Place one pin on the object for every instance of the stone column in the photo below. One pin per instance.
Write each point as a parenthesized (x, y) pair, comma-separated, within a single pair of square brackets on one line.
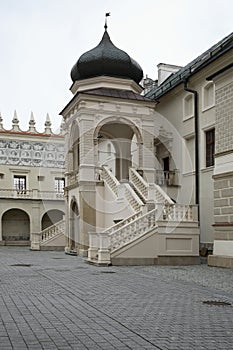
[(223, 171), (87, 221), (67, 226), (87, 194), (35, 221)]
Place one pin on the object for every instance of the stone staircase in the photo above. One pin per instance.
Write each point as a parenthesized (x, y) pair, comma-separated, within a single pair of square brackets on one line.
[(121, 190), (156, 217), (51, 238)]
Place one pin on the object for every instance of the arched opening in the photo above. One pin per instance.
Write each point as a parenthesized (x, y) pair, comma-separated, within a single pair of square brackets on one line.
[(119, 146), (74, 225), (51, 217), (166, 172), (15, 225), (74, 149)]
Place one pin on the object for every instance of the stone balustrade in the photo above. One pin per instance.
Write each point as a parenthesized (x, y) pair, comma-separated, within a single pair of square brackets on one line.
[(132, 230), (103, 244), (151, 192), (124, 222), (110, 180), (139, 183), (160, 196), (178, 212), (167, 178), (41, 237), (132, 198), (31, 194), (51, 231)]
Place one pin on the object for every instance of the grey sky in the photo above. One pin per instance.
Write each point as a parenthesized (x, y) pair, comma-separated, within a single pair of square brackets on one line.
[(42, 39)]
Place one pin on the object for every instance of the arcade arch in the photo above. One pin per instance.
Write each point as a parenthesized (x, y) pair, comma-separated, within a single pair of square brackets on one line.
[(51, 217), (125, 141), (15, 225)]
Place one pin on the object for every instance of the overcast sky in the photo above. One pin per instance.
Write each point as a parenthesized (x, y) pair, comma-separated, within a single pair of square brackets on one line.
[(40, 40)]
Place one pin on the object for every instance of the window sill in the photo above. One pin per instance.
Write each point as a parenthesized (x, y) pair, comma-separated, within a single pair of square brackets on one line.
[(188, 117), (207, 169), (207, 108)]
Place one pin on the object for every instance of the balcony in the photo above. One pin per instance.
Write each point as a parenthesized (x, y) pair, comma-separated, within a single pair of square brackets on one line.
[(167, 178), (31, 194)]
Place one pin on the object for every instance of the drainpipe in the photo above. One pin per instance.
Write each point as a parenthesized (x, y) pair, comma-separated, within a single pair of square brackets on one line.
[(196, 122)]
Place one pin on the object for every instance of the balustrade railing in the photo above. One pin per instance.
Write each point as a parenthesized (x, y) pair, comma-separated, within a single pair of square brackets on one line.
[(139, 183), (160, 196), (123, 222), (179, 212), (167, 178), (135, 226), (132, 198), (110, 180), (31, 194), (132, 230), (53, 230), (148, 191)]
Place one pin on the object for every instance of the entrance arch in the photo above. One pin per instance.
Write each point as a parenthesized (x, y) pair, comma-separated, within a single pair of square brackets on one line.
[(15, 225), (51, 217), (74, 225), (120, 132)]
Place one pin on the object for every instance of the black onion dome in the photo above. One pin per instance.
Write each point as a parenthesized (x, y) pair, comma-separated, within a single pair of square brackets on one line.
[(106, 59)]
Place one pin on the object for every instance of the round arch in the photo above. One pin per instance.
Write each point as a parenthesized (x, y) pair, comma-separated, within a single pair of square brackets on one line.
[(74, 224), (119, 120), (15, 225), (74, 134), (122, 133), (73, 147), (51, 217)]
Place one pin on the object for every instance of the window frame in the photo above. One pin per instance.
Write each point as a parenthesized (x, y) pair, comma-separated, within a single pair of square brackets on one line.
[(59, 189), (209, 147), (20, 186), (205, 88), (188, 99)]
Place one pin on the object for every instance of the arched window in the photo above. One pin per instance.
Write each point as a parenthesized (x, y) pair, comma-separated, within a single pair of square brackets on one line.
[(188, 107), (208, 96)]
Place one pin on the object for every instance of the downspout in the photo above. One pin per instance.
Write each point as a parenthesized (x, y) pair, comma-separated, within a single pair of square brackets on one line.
[(196, 124)]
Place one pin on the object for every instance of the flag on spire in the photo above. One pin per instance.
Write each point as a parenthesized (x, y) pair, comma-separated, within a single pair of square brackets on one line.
[(107, 14)]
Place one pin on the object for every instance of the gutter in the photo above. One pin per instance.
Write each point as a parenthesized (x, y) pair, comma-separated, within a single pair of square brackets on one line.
[(186, 73), (196, 124)]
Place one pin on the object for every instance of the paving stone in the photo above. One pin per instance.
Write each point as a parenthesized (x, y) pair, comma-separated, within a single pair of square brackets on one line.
[(61, 303)]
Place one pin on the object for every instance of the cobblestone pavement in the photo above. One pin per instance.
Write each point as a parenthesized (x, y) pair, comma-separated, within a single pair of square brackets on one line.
[(50, 300)]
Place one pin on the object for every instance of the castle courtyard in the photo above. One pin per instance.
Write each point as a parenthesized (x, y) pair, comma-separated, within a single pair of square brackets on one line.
[(50, 300)]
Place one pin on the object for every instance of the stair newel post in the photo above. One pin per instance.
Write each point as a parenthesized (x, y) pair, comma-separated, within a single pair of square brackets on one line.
[(35, 241), (93, 246), (103, 251)]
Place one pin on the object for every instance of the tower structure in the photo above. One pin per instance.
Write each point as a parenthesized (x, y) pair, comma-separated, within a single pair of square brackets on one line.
[(106, 110)]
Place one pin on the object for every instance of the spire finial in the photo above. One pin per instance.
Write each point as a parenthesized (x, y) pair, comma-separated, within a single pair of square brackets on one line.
[(15, 122), (32, 123), (47, 125), (107, 14)]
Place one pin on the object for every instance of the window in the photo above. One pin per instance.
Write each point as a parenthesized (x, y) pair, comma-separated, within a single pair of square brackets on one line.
[(59, 184), (188, 106), (20, 183), (76, 155), (210, 145), (208, 96)]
